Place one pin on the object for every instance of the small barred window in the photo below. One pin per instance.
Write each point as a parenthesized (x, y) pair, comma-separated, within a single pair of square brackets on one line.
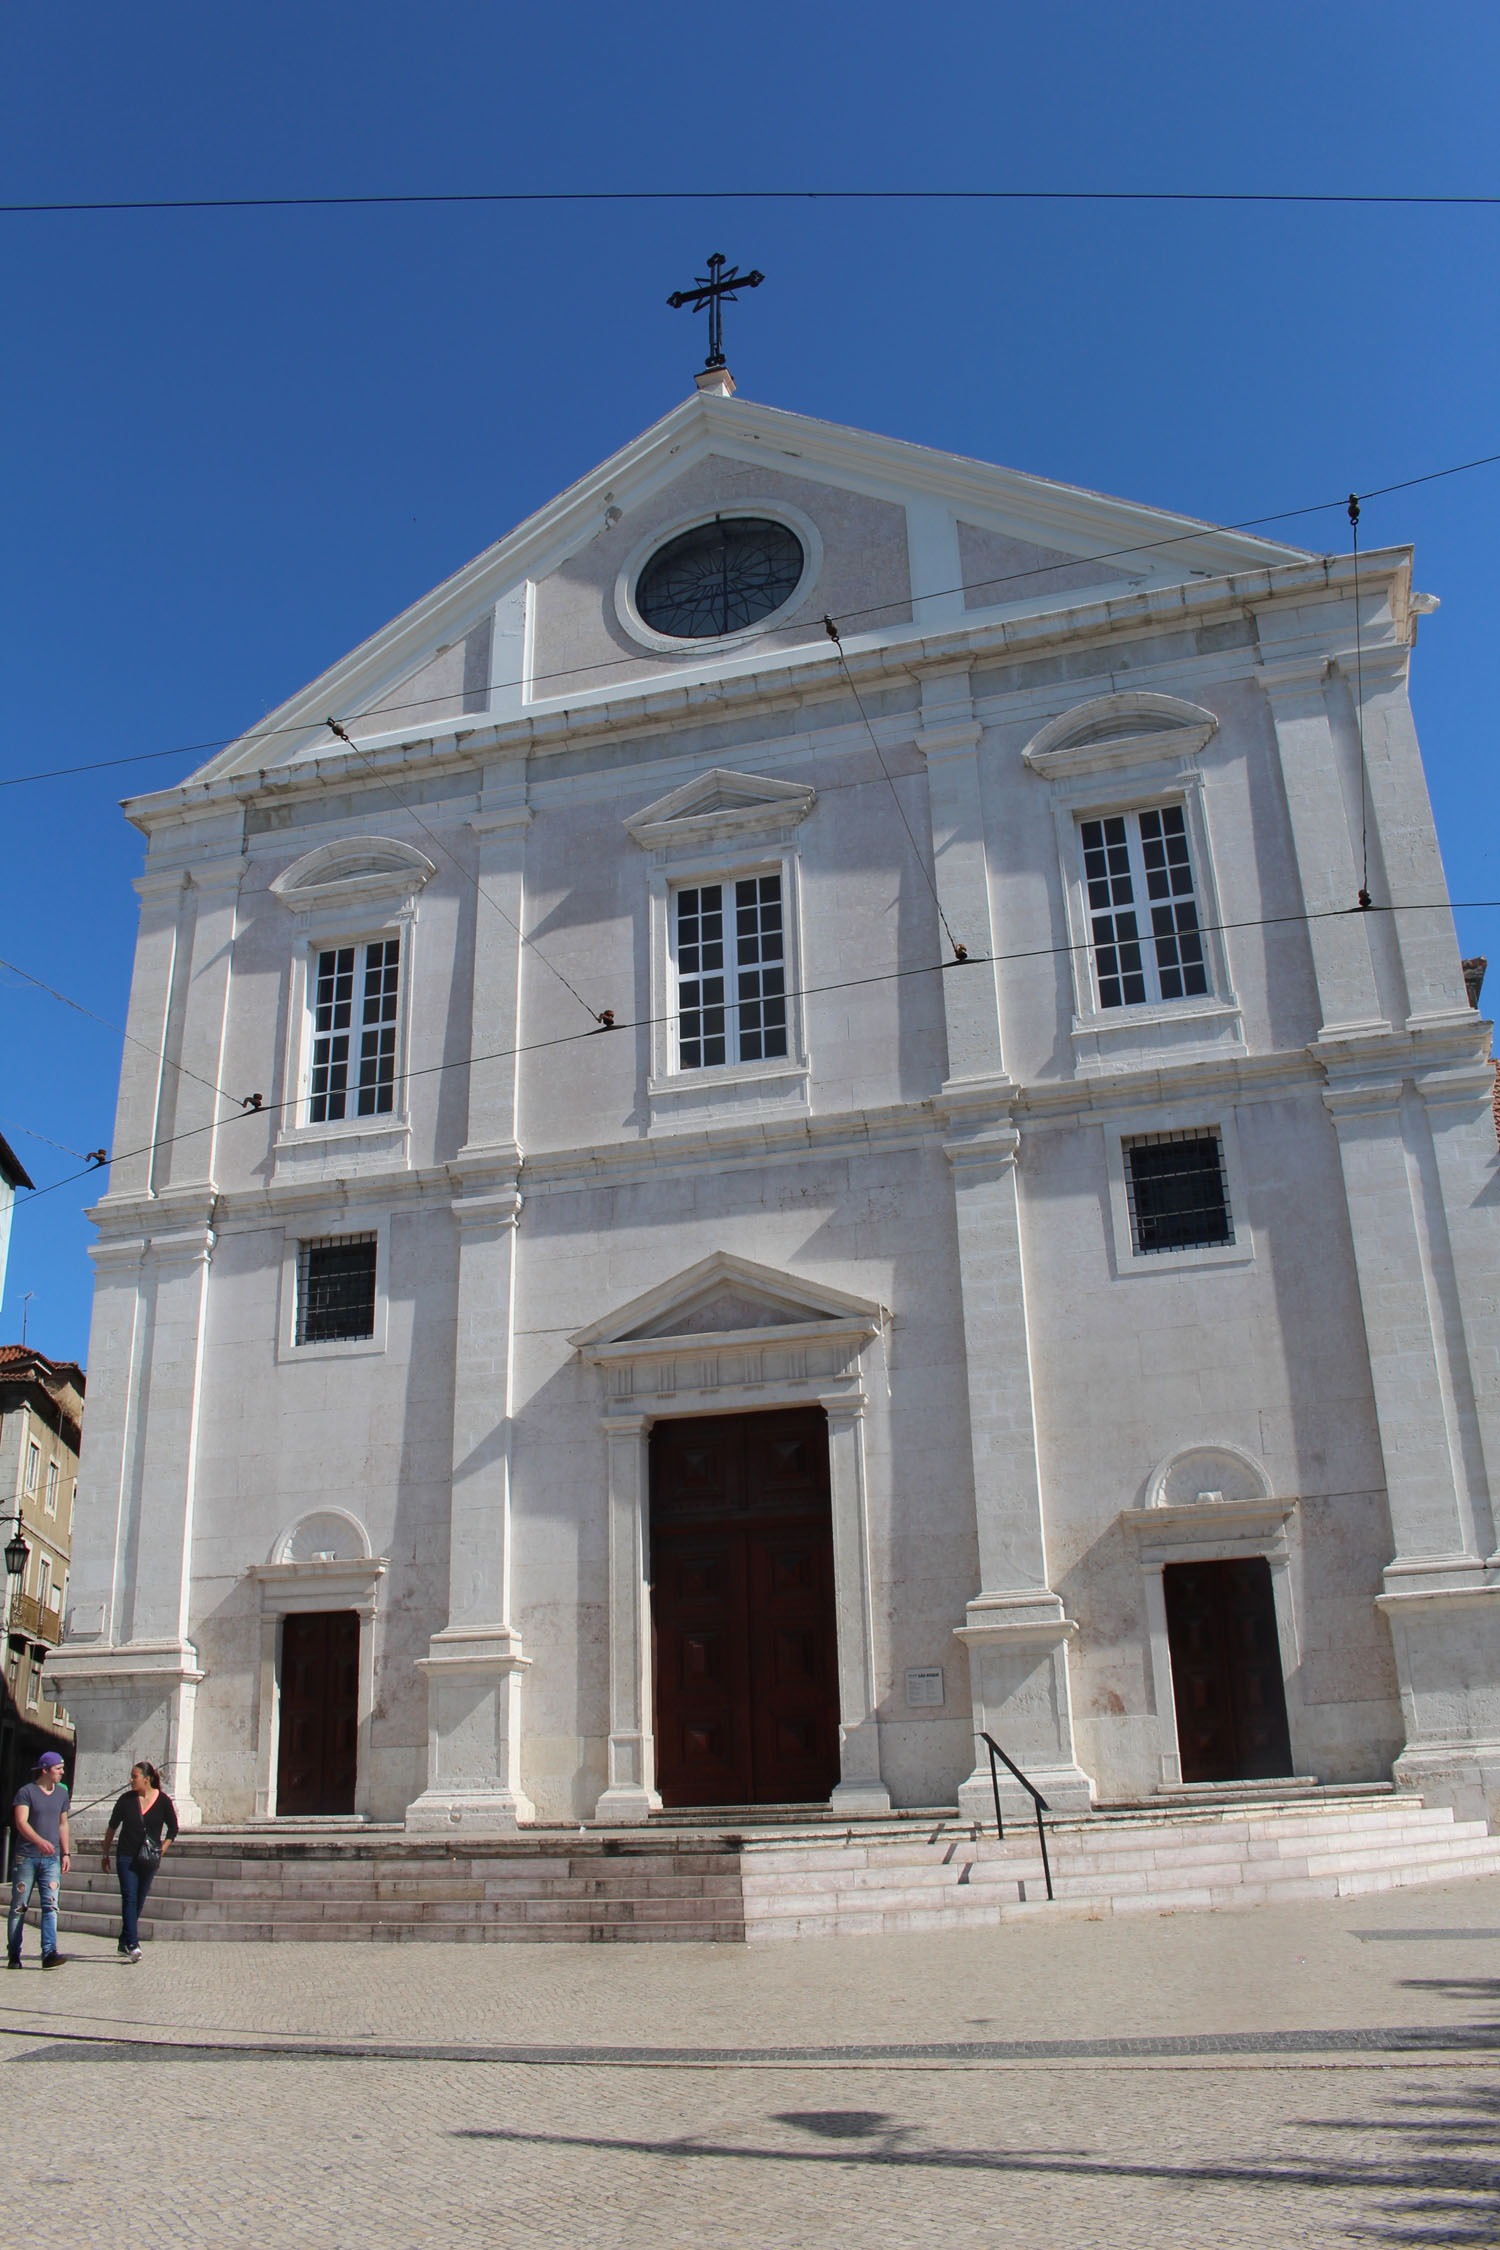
[(1177, 1191), (336, 1288)]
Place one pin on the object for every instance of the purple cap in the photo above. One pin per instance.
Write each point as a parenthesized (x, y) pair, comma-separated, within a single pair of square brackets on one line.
[(49, 1758)]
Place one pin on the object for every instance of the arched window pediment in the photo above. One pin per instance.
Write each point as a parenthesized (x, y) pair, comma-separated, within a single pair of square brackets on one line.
[(1110, 731), (353, 870)]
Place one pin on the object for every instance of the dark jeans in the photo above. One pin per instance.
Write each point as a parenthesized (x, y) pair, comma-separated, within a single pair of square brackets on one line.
[(135, 1883)]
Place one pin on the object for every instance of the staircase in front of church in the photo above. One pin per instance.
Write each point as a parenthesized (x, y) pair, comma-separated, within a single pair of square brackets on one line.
[(787, 1877)]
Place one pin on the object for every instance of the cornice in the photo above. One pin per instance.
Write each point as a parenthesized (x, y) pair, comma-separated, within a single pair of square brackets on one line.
[(662, 702)]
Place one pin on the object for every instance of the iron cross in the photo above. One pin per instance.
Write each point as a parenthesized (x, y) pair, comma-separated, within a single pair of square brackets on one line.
[(712, 293)]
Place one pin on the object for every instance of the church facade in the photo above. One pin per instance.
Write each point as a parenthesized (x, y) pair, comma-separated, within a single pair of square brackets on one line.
[(705, 1213)]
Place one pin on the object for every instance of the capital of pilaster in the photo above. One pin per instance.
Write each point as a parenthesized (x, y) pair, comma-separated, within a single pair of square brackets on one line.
[(1030, 1614), (947, 739), (490, 1209), (159, 886), (218, 879), (1384, 663), (474, 1649), (500, 820), (1350, 1100), (844, 1409), (984, 1153), (1286, 679), (632, 1425)]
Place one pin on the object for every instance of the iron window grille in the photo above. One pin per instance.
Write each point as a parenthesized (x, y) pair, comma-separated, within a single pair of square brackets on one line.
[(356, 998), (1178, 1192), (336, 1289), (1135, 861), (731, 982)]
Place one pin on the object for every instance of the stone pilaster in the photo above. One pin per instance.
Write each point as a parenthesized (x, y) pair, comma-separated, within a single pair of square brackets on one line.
[(630, 1794), (860, 1789), (475, 1665), (1014, 1629), (127, 1671), (1327, 869), (1416, 1157)]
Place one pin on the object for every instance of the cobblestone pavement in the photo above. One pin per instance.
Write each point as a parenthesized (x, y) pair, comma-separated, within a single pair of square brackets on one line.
[(1313, 2075)]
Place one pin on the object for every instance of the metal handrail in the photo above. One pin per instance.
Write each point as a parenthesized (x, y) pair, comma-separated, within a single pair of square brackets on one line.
[(1037, 1799)]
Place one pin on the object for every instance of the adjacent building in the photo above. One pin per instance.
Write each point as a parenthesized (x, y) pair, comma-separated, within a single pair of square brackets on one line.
[(13, 1175), (41, 1424), (839, 1113)]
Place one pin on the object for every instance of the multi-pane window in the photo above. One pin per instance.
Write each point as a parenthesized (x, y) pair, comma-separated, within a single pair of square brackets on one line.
[(1143, 917), (356, 998), (335, 1288), (51, 1496), (731, 973), (1177, 1191), (33, 1463), (44, 1583)]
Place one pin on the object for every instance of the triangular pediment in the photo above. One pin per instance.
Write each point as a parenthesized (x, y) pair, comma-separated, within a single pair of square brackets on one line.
[(721, 802), (992, 538), (723, 1296)]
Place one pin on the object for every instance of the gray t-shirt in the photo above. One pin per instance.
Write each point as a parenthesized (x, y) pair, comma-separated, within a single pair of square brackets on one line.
[(44, 1809)]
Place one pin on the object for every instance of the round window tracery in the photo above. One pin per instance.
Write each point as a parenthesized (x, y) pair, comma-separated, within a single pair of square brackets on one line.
[(719, 578)]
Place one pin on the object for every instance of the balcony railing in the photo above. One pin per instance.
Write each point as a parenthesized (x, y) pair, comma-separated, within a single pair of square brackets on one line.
[(29, 1618)]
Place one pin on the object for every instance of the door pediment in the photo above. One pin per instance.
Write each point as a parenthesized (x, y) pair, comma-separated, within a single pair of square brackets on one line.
[(722, 1301)]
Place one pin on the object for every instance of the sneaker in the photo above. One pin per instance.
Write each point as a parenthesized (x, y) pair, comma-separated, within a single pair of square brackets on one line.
[(134, 1954), (54, 1960)]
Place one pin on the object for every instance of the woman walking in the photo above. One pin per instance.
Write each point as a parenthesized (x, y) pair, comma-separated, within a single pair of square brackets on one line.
[(146, 1820)]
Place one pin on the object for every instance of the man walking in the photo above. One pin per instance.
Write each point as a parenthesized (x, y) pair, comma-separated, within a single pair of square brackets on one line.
[(40, 1855)]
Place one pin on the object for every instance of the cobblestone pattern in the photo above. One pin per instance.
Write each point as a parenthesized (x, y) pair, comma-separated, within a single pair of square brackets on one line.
[(232, 2145)]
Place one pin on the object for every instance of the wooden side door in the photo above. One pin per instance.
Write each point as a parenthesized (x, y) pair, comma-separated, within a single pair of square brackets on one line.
[(316, 1763), (1226, 1671)]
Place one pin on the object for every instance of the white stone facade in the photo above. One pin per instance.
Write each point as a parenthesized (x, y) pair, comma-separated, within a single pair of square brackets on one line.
[(918, 1217)]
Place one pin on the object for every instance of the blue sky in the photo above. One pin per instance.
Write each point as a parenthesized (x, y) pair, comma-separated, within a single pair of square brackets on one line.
[(239, 442)]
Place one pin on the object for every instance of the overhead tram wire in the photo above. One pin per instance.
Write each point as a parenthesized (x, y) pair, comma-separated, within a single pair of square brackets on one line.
[(800, 992), (960, 952), (1252, 196), (159, 1056), (603, 1018), (250, 735)]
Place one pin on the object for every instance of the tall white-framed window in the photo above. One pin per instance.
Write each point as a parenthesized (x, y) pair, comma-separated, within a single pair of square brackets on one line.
[(33, 1465), (729, 955), (49, 1500), (1144, 924), (724, 928), (355, 907), (354, 995), (1146, 950), (44, 1582)]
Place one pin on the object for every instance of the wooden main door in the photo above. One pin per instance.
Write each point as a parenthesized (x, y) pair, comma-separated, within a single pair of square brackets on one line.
[(1226, 1671), (742, 1610), (315, 1770)]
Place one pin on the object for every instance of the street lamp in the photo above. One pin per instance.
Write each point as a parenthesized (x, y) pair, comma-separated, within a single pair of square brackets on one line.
[(17, 1552)]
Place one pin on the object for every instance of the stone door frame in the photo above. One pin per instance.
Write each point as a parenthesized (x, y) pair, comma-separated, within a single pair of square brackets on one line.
[(298, 1587), (808, 1352), (1201, 1532)]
